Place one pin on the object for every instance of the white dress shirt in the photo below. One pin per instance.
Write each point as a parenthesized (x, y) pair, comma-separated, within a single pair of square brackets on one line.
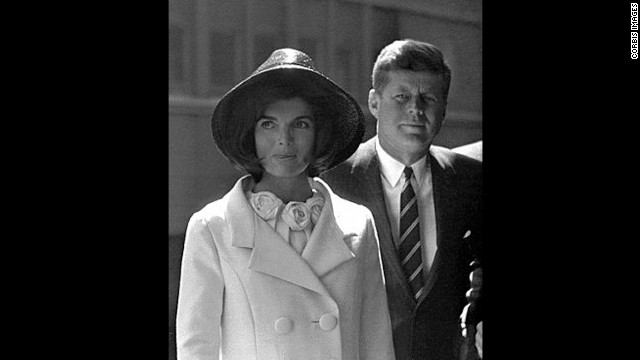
[(391, 172)]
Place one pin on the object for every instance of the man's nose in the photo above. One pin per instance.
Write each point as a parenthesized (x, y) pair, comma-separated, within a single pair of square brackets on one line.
[(417, 106)]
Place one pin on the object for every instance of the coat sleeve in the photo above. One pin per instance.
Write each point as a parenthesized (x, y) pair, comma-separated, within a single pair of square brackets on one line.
[(376, 340), (200, 295)]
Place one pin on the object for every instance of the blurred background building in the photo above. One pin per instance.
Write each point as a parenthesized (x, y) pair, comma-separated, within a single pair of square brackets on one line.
[(214, 44)]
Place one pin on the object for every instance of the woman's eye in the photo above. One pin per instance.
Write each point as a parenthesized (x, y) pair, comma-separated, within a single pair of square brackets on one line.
[(266, 124)]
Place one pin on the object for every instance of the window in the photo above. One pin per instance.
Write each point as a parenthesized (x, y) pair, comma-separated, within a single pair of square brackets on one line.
[(176, 55), (269, 31), (264, 45), (347, 60), (310, 47), (312, 26), (384, 30), (223, 59)]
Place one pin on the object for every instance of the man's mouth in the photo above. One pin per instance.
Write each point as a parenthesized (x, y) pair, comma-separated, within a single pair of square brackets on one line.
[(415, 125)]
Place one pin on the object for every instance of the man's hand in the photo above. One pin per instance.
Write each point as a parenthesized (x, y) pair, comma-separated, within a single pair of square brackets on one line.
[(471, 317), (479, 339)]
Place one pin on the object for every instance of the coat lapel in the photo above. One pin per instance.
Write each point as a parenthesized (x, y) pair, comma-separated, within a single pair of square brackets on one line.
[(270, 255), (237, 213), (325, 248)]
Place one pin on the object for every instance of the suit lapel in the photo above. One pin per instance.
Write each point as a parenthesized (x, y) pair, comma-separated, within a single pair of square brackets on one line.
[(374, 200), (440, 171), (270, 255), (439, 197)]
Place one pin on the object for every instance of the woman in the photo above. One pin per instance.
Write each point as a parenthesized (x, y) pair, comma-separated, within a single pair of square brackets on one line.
[(281, 267)]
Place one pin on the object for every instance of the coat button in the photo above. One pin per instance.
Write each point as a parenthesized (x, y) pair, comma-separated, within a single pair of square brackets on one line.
[(283, 325), (328, 322)]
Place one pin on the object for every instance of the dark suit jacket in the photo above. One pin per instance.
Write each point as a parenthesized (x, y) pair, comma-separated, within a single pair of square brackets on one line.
[(430, 329)]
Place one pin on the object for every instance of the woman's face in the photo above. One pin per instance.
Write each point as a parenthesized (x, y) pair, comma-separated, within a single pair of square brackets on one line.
[(285, 136)]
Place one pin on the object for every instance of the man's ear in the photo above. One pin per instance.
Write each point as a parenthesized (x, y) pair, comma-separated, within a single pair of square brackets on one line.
[(374, 102)]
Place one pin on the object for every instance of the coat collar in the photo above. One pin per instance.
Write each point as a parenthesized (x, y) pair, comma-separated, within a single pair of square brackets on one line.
[(325, 249)]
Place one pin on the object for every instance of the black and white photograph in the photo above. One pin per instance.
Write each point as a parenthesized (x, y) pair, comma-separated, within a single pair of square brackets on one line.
[(325, 179), (339, 179)]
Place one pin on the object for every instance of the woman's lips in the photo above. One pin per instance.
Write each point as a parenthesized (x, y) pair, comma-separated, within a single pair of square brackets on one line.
[(284, 156)]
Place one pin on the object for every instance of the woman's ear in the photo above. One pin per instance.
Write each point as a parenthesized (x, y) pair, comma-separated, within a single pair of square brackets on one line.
[(373, 102)]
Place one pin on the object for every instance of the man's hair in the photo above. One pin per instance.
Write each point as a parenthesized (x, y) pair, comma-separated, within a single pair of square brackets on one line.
[(250, 108), (411, 55)]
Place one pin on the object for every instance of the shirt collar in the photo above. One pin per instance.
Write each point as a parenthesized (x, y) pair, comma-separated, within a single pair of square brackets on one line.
[(392, 169)]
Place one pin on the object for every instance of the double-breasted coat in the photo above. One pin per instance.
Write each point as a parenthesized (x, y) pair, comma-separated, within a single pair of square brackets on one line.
[(246, 294), (429, 329)]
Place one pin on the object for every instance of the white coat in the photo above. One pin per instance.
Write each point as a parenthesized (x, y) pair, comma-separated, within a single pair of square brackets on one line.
[(246, 294)]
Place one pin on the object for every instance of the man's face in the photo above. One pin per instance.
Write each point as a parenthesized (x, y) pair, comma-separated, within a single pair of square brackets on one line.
[(410, 110)]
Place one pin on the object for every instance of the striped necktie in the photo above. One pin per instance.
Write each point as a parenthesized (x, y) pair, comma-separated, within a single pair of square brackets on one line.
[(409, 251)]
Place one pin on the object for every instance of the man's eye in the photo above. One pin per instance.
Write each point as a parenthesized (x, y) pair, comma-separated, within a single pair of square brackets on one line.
[(302, 125), (401, 97), (428, 98)]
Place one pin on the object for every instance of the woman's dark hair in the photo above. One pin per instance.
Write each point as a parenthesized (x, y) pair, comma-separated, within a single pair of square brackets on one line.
[(250, 106)]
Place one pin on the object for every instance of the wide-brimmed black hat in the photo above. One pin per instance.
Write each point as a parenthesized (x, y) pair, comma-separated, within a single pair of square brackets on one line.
[(289, 66)]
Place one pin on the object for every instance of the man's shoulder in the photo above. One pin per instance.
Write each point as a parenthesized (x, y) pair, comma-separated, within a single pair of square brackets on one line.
[(448, 158), (348, 178), (360, 158)]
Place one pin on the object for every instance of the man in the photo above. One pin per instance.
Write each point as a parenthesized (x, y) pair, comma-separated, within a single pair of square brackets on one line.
[(426, 200)]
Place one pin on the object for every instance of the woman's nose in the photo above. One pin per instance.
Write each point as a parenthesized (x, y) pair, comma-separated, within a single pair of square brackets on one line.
[(285, 137)]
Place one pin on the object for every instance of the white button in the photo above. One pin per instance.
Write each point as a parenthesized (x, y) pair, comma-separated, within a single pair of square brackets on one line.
[(328, 322), (283, 325)]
